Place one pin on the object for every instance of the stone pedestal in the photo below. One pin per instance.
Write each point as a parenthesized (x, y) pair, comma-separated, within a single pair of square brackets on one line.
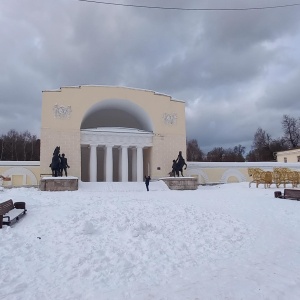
[(181, 183), (59, 183)]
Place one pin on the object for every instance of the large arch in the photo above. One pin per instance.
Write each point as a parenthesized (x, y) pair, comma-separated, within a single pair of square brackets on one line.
[(117, 113), (115, 132)]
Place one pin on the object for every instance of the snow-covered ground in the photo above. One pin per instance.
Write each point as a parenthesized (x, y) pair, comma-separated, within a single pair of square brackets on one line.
[(118, 241)]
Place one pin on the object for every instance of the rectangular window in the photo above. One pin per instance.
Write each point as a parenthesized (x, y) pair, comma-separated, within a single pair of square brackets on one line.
[(285, 160), (298, 158)]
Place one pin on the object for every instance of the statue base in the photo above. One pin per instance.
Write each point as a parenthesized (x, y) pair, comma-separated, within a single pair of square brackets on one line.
[(59, 183), (181, 183)]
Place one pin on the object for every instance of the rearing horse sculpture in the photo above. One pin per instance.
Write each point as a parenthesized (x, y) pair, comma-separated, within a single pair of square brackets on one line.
[(180, 163), (55, 163)]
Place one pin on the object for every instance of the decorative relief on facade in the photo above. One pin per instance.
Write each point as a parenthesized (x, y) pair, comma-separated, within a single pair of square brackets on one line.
[(62, 112), (170, 119)]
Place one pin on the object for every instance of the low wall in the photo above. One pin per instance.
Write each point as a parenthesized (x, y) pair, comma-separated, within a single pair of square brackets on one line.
[(27, 173), (180, 183), (22, 173), (230, 172)]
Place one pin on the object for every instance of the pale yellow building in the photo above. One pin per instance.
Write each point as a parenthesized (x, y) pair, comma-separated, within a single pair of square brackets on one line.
[(289, 156), (112, 133)]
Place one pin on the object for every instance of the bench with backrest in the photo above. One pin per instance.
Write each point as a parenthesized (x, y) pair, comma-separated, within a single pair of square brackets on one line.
[(11, 212), (292, 194)]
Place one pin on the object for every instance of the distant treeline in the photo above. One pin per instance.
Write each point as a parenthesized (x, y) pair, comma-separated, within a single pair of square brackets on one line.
[(263, 146), (21, 146)]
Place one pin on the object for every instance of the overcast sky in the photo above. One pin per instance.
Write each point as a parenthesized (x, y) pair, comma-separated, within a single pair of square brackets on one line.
[(236, 70)]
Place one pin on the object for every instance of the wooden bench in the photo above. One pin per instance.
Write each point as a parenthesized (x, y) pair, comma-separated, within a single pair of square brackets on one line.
[(11, 212), (292, 194)]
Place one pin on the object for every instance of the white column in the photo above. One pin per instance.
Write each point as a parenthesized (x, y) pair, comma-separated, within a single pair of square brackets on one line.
[(109, 164), (124, 151), (134, 164), (93, 163), (139, 167)]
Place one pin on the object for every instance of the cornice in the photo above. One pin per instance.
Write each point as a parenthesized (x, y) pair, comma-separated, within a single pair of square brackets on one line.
[(117, 139)]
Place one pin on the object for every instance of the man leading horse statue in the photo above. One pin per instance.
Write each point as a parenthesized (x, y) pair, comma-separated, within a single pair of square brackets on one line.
[(178, 165)]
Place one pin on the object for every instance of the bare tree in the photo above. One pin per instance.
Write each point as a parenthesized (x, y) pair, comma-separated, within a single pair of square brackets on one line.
[(261, 143), (235, 154), (239, 152), (194, 153), (291, 130), (217, 154), (264, 147), (11, 138), (19, 146), (2, 147)]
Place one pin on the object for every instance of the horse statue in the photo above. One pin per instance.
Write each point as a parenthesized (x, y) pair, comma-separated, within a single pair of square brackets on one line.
[(55, 163), (178, 165)]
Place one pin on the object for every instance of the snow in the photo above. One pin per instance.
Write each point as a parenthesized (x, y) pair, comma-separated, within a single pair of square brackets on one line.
[(118, 241)]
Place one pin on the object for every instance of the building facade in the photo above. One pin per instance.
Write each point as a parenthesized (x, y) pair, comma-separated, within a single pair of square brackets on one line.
[(289, 156), (112, 133)]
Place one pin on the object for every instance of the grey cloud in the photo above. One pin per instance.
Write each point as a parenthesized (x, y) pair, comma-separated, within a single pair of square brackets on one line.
[(227, 66), (283, 94)]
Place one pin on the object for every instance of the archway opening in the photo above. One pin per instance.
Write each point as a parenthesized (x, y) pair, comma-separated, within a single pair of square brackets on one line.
[(117, 113), (124, 120)]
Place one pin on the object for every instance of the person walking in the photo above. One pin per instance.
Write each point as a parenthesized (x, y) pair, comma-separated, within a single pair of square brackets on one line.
[(63, 165), (147, 181)]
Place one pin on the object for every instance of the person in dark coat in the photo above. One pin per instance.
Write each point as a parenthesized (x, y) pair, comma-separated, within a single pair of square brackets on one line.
[(147, 181), (179, 157), (63, 165)]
